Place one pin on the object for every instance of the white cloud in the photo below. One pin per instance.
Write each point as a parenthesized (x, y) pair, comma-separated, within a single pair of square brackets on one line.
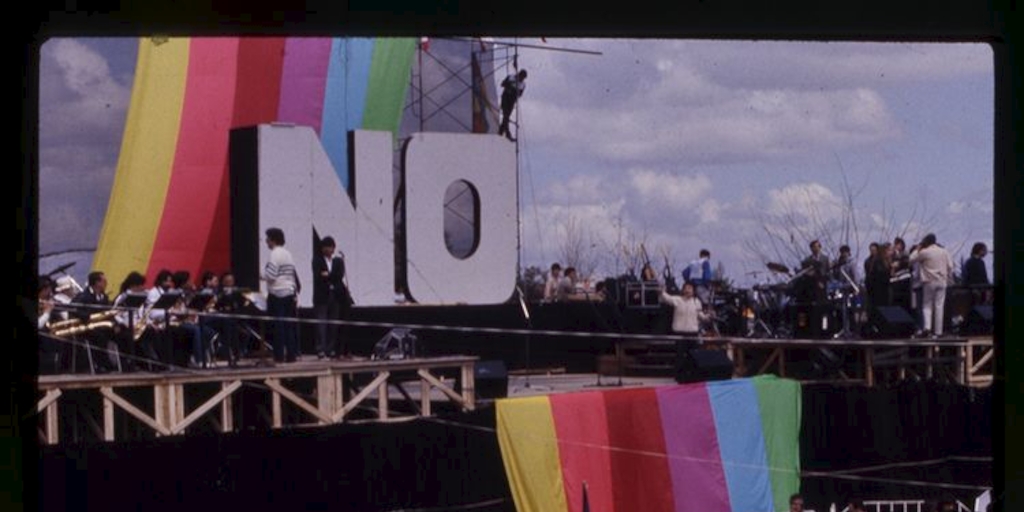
[(806, 201), (669, 191), (580, 188), (807, 65), (728, 101), (970, 206), (91, 99), (690, 120), (710, 211)]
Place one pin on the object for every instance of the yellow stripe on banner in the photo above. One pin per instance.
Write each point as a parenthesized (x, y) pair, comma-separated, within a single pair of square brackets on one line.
[(529, 450), (147, 157)]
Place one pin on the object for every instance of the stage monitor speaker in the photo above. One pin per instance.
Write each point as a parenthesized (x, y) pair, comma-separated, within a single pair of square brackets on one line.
[(892, 321), (699, 365), (398, 343), (491, 379), (979, 320)]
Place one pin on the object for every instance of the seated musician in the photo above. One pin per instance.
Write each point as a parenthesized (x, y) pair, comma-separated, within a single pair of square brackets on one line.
[(201, 335), (46, 303), (94, 299), (212, 327), (162, 336), (551, 284), (229, 301), (129, 325), (567, 288), (49, 350)]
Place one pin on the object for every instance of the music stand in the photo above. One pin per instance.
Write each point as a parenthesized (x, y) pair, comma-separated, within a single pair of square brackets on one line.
[(200, 301), (165, 302), (132, 302)]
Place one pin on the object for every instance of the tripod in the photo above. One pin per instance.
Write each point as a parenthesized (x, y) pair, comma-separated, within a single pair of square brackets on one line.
[(759, 323)]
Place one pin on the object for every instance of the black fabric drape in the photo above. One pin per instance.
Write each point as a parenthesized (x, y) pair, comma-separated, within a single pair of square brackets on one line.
[(844, 428)]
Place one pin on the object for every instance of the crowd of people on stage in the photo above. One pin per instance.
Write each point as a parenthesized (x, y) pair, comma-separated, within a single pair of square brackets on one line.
[(178, 323), (915, 279)]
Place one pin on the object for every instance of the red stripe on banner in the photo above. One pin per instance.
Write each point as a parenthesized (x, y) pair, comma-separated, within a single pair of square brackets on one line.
[(257, 93), (640, 472), (582, 430), (200, 158)]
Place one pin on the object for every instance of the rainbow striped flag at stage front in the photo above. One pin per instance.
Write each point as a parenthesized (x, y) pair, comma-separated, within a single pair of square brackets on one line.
[(728, 446)]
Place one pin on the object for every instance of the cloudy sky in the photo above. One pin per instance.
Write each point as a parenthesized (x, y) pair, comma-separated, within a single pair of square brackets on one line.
[(745, 148)]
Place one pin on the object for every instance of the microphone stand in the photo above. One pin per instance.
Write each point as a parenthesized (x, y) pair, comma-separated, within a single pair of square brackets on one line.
[(846, 333), (529, 327)]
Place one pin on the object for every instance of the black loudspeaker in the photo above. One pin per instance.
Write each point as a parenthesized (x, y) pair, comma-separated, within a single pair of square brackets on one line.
[(491, 378), (892, 321), (699, 365), (808, 321), (979, 321)]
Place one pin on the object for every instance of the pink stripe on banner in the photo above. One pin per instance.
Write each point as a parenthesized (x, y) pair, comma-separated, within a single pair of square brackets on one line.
[(303, 80), (582, 428), (691, 444)]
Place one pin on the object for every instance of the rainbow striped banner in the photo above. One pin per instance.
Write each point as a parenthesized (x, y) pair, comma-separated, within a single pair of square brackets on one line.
[(169, 205), (728, 446)]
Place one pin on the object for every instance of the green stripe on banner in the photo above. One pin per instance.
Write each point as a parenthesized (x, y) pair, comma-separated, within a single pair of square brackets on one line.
[(779, 403), (389, 82)]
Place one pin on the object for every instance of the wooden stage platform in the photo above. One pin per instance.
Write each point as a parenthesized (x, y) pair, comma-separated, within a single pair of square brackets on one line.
[(966, 361), (963, 359), (323, 392), (332, 401)]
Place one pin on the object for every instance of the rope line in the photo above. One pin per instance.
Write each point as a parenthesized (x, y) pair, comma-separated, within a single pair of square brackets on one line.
[(573, 334), (724, 463)]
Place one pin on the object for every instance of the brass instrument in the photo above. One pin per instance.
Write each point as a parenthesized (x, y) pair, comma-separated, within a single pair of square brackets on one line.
[(77, 325), (140, 325), (78, 329), (63, 324), (78, 322)]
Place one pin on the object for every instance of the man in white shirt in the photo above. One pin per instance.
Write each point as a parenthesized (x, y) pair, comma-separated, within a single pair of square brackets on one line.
[(282, 296), (687, 313), (936, 268), (551, 285), (687, 310)]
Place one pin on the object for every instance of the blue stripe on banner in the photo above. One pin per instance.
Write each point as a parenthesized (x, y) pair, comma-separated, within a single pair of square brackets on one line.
[(348, 75), (741, 442)]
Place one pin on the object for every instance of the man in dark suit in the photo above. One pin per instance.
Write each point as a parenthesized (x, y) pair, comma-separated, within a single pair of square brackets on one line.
[(94, 298), (330, 297)]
